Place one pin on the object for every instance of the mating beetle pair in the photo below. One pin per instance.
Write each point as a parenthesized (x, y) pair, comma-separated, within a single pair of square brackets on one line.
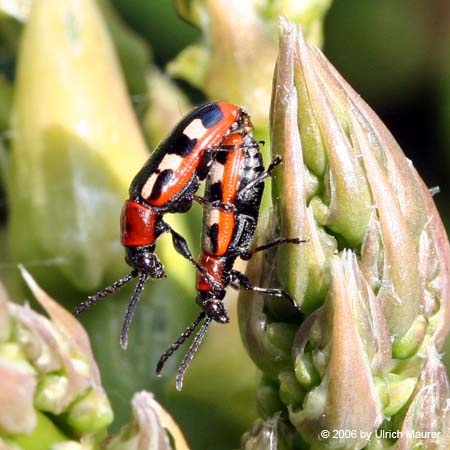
[(215, 142)]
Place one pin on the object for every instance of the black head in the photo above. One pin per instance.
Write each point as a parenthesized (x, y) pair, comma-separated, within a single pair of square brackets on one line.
[(244, 123), (144, 260), (215, 309), (145, 265), (211, 303)]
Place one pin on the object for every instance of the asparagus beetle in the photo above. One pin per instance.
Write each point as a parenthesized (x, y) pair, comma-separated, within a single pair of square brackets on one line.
[(233, 192), (167, 183)]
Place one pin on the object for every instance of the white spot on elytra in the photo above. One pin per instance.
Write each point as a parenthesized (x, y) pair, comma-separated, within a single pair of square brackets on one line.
[(195, 130), (216, 173), (170, 161), (213, 216), (148, 186)]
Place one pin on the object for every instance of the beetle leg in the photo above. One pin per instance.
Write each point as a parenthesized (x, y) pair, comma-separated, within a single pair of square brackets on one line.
[(226, 147), (242, 281), (246, 255), (182, 247), (215, 204), (262, 176)]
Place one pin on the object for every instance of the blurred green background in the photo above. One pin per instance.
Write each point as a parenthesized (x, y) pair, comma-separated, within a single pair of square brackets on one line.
[(395, 53)]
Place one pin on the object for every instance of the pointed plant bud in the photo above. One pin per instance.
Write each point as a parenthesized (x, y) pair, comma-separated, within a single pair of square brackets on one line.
[(427, 420), (17, 415), (50, 381), (239, 51), (149, 429), (79, 392), (76, 144), (372, 278), (352, 333), (51, 389), (132, 51)]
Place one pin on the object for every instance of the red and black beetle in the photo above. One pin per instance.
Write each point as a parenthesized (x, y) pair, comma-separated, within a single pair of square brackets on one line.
[(233, 193), (167, 183)]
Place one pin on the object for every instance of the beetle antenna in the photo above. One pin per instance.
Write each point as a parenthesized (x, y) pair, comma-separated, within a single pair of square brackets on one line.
[(179, 342), (91, 300), (191, 353), (130, 309)]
